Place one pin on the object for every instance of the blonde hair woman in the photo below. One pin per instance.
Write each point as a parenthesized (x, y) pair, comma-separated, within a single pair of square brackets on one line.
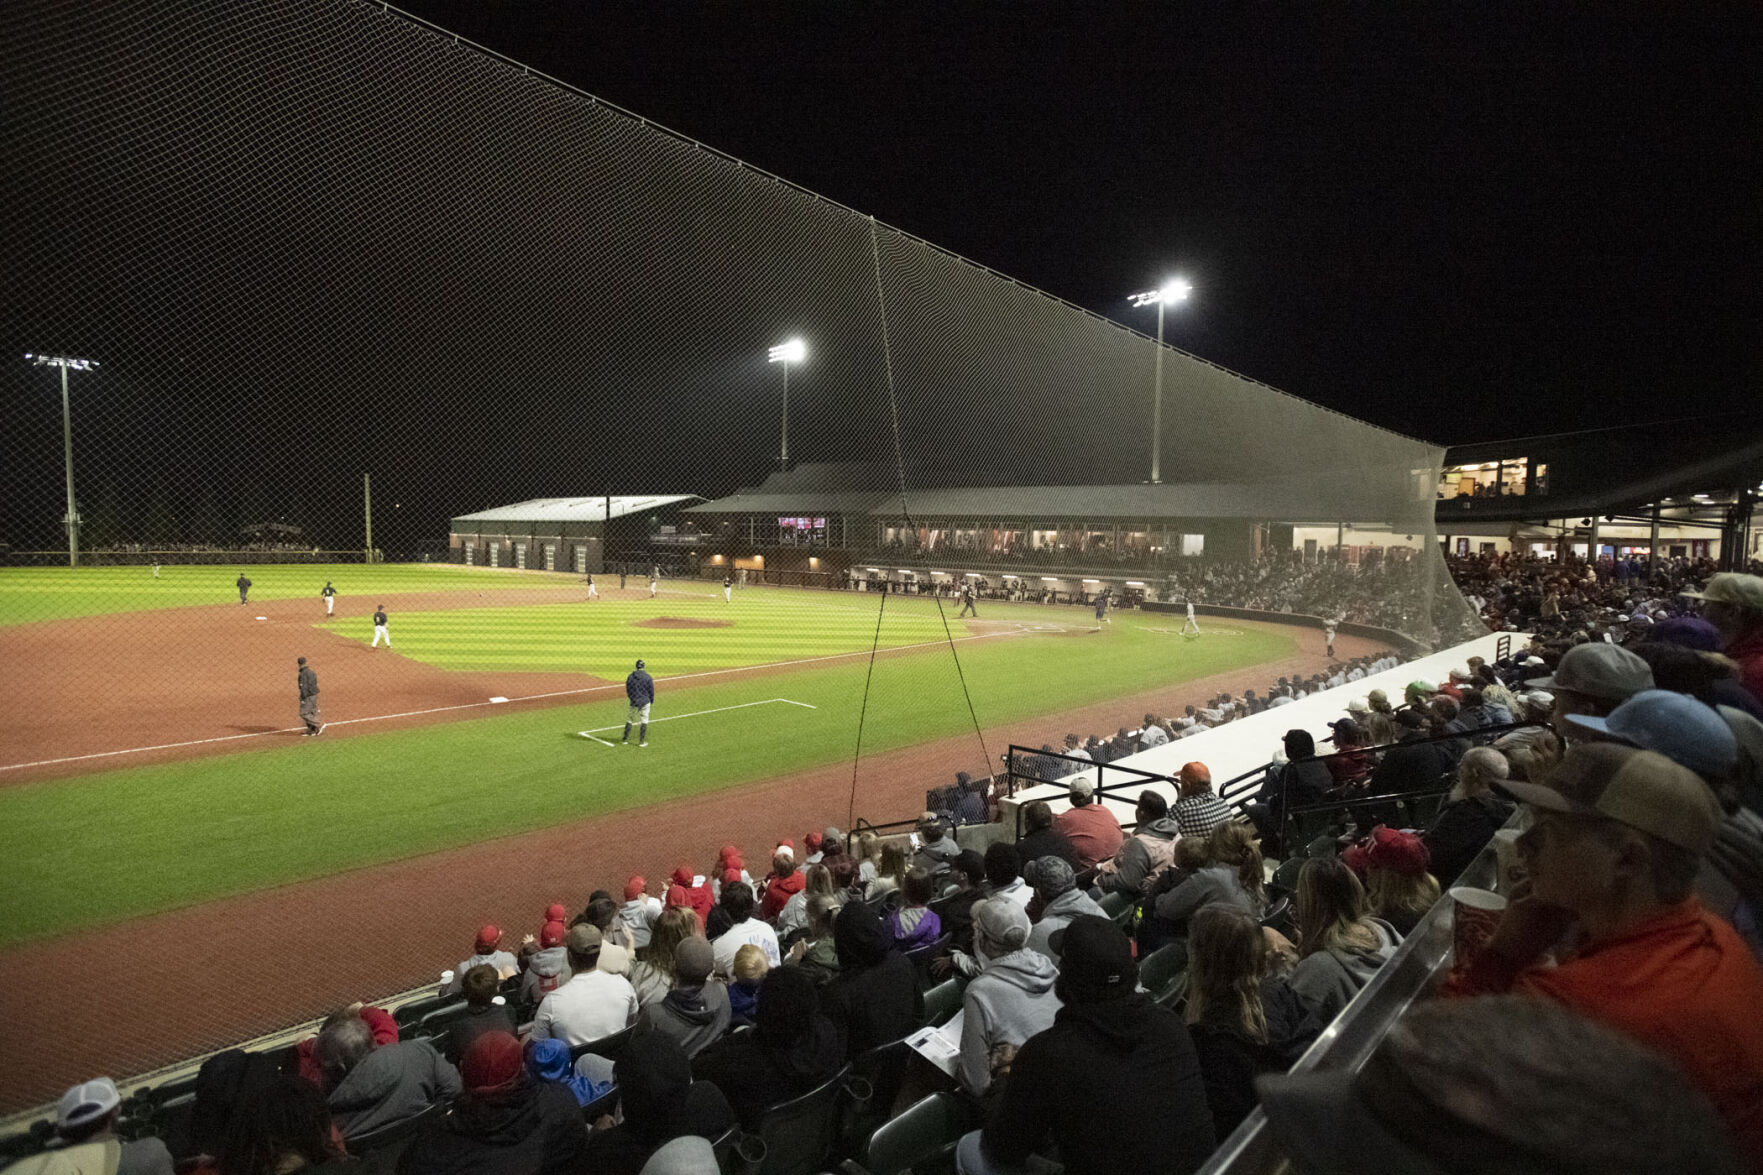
[(652, 975), (1340, 944)]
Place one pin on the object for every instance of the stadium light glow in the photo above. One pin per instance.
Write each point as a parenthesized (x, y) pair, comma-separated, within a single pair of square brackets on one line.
[(1049, 579), (1174, 290), (793, 351), (67, 363)]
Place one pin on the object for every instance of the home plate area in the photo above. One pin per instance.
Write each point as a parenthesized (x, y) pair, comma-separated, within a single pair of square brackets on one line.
[(594, 735)]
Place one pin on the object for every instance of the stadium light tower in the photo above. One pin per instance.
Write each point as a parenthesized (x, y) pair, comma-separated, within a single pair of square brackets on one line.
[(793, 351), (1175, 290), (73, 518)]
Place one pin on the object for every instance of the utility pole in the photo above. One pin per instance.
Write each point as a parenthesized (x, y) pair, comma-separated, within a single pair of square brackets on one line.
[(367, 508), (73, 515)]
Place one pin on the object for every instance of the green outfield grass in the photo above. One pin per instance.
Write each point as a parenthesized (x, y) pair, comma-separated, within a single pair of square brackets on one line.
[(89, 851), (30, 594)]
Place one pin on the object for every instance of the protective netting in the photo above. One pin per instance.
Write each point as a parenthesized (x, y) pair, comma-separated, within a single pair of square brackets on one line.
[(308, 241)]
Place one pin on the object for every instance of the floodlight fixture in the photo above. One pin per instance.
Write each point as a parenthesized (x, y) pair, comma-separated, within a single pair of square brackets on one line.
[(793, 351), (786, 353), (67, 363), (1174, 290)]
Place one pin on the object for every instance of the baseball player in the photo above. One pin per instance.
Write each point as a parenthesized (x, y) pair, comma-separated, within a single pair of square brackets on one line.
[(1102, 609), (728, 587), (330, 598), (1328, 635), (155, 569), (593, 592), (639, 687), (967, 608), (309, 699), (654, 578), (379, 626), (244, 586), (1192, 627)]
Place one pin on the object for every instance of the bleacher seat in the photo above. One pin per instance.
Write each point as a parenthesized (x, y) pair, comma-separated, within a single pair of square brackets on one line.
[(412, 1013), (796, 1137), (925, 1133), (1164, 973), (1119, 909), (611, 1047), (386, 1143), (941, 1003), (1285, 878), (920, 957), (882, 1071)]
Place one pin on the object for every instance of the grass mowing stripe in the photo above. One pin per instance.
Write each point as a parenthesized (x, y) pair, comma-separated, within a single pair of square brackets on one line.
[(90, 851)]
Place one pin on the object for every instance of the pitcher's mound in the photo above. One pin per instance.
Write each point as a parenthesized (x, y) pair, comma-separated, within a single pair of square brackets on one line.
[(681, 622)]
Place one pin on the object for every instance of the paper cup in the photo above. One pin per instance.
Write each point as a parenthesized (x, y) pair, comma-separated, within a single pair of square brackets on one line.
[(1509, 866), (446, 978), (1474, 914)]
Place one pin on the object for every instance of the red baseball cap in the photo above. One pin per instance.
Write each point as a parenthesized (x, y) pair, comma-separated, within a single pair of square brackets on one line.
[(676, 896), (488, 938), (635, 887), (555, 912), (683, 875), (552, 935)]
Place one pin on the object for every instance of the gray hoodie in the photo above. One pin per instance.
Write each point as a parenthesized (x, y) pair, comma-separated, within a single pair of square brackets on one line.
[(392, 1083), (1060, 911), (1145, 855), (1328, 980), (1010, 1001), (546, 971), (1214, 883), (693, 1016)]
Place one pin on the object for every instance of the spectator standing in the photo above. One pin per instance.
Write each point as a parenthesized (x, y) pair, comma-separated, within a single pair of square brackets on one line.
[(1198, 810), (1011, 999), (1060, 901), (1614, 846), (1113, 1038), (1340, 945), (696, 1012), (737, 901), (594, 1004), (1090, 828), (502, 1122)]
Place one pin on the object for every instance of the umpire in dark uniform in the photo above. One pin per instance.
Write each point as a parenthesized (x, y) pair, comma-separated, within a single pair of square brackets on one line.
[(309, 699)]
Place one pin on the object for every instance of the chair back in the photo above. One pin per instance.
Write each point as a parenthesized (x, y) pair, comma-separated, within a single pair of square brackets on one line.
[(390, 1140), (799, 1134), (924, 1133), (1164, 973), (611, 1047), (941, 1003)]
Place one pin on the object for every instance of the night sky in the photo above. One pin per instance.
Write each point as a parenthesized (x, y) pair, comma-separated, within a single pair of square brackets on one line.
[(306, 248), (1460, 221)]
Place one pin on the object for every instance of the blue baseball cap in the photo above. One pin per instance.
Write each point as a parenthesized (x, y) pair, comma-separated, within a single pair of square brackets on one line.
[(1675, 725)]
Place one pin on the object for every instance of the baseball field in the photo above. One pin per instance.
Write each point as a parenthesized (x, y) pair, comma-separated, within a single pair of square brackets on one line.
[(157, 795)]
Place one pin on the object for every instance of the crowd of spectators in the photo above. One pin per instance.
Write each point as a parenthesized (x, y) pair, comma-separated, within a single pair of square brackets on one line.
[(1633, 942)]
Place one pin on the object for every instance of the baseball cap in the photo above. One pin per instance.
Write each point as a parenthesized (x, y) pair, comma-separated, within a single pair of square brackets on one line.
[(1676, 725), (1642, 789), (1358, 706), (1095, 961), (1050, 876), (639, 662), (1377, 695), (584, 939), (493, 1062), (1001, 921), (552, 934), (1084, 788), (1391, 850), (635, 888), (1421, 687), (86, 1102), (812, 842), (694, 958), (1598, 670), (1344, 728), (1692, 632), (1410, 718), (556, 912), (1732, 587), (488, 936)]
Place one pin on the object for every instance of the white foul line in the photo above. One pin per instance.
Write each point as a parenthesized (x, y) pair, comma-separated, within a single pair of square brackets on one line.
[(591, 689), (589, 734)]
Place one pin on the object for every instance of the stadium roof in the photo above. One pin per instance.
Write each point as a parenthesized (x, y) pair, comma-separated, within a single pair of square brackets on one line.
[(574, 509)]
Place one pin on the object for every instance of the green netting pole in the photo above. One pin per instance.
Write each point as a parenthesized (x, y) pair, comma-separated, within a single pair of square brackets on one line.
[(367, 508)]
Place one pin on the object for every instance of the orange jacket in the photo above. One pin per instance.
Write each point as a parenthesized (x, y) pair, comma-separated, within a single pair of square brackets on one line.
[(1683, 983)]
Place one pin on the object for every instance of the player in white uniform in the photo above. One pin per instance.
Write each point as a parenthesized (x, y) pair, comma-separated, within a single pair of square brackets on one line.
[(1328, 635), (593, 592), (330, 598), (654, 578), (1192, 627), (379, 627)]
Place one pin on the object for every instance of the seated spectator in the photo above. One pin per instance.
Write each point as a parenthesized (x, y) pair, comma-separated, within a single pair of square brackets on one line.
[(594, 1004), (1303, 780), (749, 971), (1340, 944), (367, 1087), (85, 1137), (1414, 763), (812, 843), (1393, 865), (782, 884), (224, 1082), (658, 1102), (1531, 753), (738, 905), (1708, 677), (698, 897), (549, 1060), (874, 999), (1615, 842), (1380, 719), (547, 969), (1593, 679), (1059, 899), (1107, 1036), (1351, 763), (1499, 1084), (1471, 815), (1198, 810), (1040, 838), (792, 920), (1733, 603), (935, 847), (914, 924), (486, 948), (380, 1025), (955, 909), (1232, 874), (1004, 874), (1011, 999), (1146, 853), (1088, 827), (697, 1010), (867, 851), (895, 860), (615, 937), (970, 801), (815, 951), (792, 1048), (1245, 1020), (482, 1014), (639, 911), (502, 1121), (652, 975), (728, 860)]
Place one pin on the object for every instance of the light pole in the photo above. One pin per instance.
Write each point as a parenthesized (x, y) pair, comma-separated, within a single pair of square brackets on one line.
[(1174, 291), (793, 351), (73, 519)]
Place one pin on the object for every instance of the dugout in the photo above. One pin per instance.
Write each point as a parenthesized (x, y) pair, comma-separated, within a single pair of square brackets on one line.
[(575, 535)]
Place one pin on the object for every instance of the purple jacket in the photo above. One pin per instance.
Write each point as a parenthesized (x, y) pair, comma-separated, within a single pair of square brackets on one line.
[(914, 928)]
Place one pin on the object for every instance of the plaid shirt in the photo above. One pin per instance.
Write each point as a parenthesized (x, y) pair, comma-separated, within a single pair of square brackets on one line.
[(1198, 815)]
